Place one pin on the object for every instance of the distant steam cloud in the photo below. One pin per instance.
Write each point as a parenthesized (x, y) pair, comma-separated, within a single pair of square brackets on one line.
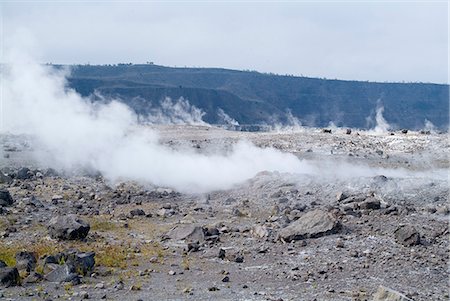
[(429, 126), (106, 136), (176, 112), (381, 125), (291, 123), (225, 118)]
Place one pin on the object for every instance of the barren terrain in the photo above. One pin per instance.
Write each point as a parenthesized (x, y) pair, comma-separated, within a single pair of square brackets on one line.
[(368, 210)]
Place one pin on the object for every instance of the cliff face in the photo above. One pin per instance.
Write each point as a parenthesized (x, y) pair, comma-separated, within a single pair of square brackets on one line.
[(254, 98)]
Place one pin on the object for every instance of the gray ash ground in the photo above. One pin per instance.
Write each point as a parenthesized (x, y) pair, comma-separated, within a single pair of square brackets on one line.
[(337, 233)]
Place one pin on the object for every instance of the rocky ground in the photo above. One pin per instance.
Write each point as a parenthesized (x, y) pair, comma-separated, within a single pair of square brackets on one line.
[(372, 212)]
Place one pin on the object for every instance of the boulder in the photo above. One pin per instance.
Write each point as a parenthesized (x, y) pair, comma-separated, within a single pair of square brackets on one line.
[(5, 179), (24, 174), (5, 198), (189, 232), (370, 203), (3, 264), (33, 278), (313, 224), (137, 212), (407, 235), (9, 277), (63, 273), (83, 262), (260, 231), (387, 294), (25, 261), (68, 227)]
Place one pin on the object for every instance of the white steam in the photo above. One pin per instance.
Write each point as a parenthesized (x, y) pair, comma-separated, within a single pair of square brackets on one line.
[(292, 124), (176, 112), (429, 126), (107, 137), (225, 118), (381, 125)]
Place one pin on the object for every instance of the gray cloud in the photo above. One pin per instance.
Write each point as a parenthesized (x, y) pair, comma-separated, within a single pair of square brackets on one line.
[(378, 41)]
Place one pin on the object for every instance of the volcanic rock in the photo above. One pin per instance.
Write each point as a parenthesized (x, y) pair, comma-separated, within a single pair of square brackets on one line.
[(313, 224), (407, 235), (83, 262), (68, 227), (25, 261), (137, 212), (189, 232), (5, 179), (63, 273), (24, 174), (5, 198), (9, 277), (387, 294)]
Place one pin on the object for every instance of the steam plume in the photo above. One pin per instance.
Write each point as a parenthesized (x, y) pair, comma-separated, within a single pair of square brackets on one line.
[(107, 137)]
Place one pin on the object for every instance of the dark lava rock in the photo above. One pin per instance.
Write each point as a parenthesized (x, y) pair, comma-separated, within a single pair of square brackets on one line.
[(210, 231), (68, 227), (387, 294), (5, 179), (9, 277), (63, 273), (83, 262), (5, 198), (188, 232), (24, 174), (51, 173), (137, 212), (33, 278), (193, 246), (370, 203), (221, 254), (313, 224), (25, 261), (407, 235)]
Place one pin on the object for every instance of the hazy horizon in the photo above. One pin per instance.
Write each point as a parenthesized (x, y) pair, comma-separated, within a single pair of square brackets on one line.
[(372, 41)]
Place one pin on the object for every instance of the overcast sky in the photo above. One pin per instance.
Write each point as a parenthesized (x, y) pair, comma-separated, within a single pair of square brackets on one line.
[(377, 41)]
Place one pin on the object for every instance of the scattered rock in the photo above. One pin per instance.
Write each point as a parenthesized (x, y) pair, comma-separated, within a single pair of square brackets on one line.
[(5, 198), (9, 277), (24, 174), (68, 227), (387, 294), (260, 231), (63, 273), (163, 212), (313, 224), (370, 203), (137, 212), (83, 262), (193, 246), (25, 261), (5, 179), (407, 235), (33, 278), (221, 254), (189, 232)]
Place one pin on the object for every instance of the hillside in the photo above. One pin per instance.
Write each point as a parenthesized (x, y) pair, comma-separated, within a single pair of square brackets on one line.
[(256, 98)]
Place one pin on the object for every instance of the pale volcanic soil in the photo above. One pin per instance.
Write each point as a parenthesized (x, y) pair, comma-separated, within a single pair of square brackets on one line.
[(367, 210)]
